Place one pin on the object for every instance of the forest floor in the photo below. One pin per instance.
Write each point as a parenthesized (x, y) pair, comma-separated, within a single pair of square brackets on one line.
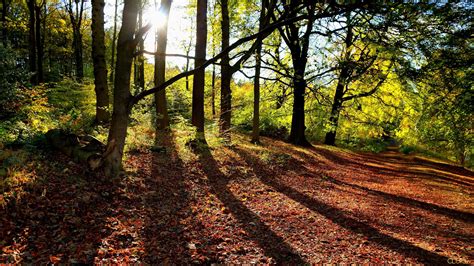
[(271, 203)]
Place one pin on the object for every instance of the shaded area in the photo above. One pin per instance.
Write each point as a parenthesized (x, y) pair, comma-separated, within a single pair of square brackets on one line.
[(454, 214), (62, 218), (273, 245), (337, 215), (166, 206)]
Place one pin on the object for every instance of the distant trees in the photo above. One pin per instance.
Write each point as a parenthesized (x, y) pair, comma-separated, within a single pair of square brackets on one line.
[(75, 12)]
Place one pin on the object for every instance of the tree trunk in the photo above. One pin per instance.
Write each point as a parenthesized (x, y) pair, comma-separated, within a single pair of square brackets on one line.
[(199, 76), (100, 66), (141, 58), (32, 42), (114, 37), (118, 128), (330, 138), (77, 40), (76, 21), (256, 82), (39, 43), (213, 91), (297, 133), (226, 76), (162, 119)]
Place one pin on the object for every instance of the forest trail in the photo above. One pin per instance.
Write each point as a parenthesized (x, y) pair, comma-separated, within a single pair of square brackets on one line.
[(274, 203)]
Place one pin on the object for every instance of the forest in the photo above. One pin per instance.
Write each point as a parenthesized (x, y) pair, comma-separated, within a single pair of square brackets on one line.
[(236, 131)]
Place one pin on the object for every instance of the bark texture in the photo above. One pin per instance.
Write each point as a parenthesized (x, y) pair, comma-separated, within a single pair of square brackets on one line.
[(118, 129), (199, 76), (226, 75), (100, 66)]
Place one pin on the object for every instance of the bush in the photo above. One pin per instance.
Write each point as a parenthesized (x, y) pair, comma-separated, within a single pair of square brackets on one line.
[(407, 149)]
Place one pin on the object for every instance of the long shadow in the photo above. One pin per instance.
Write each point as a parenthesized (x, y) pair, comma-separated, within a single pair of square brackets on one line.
[(455, 214), (452, 213), (337, 216), (273, 245), (61, 218), (167, 204), (341, 161)]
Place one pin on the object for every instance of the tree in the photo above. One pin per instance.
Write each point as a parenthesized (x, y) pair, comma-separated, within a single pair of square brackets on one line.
[(32, 41), (126, 44), (226, 75), (139, 63), (76, 23), (162, 119), (256, 81), (124, 101), (39, 40), (100, 66), (114, 39), (199, 76), (298, 46)]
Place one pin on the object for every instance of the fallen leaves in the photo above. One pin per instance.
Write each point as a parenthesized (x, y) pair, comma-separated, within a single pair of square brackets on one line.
[(241, 208)]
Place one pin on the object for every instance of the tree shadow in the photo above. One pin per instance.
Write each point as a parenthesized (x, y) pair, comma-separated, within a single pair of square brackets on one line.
[(166, 207), (377, 165), (60, 219), (454, 214), (273, 245), (337, 215)]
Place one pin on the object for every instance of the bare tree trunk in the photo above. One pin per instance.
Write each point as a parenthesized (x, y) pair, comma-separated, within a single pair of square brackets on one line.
[(213, 91), (199, 76), (118, 129), (114, 38), (256, 82), (100, 66), (297, 132), (76, 22), (141, 58), (226, 75), (32, 42), (330, 138), (162, 119), (39, 42)]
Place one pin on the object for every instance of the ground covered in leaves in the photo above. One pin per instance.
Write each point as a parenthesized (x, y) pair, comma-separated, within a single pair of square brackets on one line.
[(272, 203)]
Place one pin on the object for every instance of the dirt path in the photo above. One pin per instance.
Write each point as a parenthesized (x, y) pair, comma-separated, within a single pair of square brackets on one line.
[(274, 203)]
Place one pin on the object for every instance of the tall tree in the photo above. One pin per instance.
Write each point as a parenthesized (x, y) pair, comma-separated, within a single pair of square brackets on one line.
[(126, 44), (32, 41), (226, 74), (114, 40), (162, 119), (100, 66), (361, 59), (199, 76), (256, 81), (124, 101), (298, 46), (139, 63), (39, 41), (76, 17)]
